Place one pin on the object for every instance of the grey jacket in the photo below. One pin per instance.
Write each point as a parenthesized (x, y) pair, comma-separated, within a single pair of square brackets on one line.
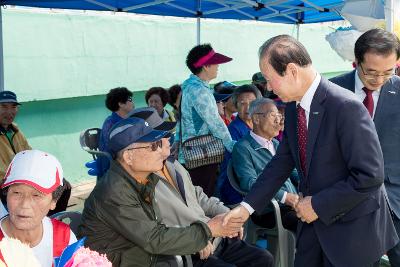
[(387, 124), (184, 204)]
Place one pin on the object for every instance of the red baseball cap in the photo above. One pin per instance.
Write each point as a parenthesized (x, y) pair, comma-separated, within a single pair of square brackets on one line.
[(212, 58), (36, 168)]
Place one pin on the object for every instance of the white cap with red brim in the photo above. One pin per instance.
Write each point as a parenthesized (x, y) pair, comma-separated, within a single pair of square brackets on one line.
[(36, 168)]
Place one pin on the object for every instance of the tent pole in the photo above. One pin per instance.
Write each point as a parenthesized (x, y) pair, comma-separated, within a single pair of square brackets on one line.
[(198, 22), (198, 26), (1, 52), (389, 15), (297, 31)]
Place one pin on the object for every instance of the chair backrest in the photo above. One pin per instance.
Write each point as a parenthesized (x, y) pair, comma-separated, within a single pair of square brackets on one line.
[(73, 218), (285, 249), (89, 140)]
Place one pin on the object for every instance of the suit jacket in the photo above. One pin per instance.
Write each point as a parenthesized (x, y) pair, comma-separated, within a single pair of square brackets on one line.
[(344, 165), (387, 123), (249, 159)]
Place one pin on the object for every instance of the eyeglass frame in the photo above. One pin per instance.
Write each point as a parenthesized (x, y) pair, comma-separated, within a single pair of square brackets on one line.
[(278, 114), (376, 76), (153, 145)]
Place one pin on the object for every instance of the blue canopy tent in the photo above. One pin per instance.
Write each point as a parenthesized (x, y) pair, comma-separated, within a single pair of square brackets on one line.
[(276, 11)]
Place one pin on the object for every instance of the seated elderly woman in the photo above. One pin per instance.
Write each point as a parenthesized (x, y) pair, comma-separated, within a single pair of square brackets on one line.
[(158, 98), (121, 217), (32, 184)]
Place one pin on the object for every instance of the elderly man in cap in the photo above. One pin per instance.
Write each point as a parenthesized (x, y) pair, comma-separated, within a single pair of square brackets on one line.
[(12, 140), (122, 207), (181, 203)]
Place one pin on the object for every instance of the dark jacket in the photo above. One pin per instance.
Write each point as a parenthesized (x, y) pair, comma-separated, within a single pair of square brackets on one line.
[(344, 176), (121, 219)]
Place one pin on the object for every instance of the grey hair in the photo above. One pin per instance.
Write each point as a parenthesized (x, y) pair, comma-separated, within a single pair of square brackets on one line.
[(257, 105)]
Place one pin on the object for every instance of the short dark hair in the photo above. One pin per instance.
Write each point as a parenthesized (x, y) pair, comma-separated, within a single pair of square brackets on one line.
[(282, 50), (195, 54), (157, 91), (246, 88), (377, 41), (173, 92), (116, 96)]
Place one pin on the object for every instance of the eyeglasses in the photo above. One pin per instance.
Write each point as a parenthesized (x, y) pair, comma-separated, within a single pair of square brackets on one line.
[(275, 115), (130, 99), (371, 76), (154, 146)]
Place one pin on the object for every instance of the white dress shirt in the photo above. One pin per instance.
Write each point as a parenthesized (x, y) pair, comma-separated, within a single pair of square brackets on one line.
[(265, 143), (358, 90), (305, 103), (307, 98)]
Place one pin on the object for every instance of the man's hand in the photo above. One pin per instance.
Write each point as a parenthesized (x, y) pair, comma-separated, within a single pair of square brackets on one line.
[(230, 229), (305, 211), (291, 199), (237, 215), (207, 251), (241, 233)]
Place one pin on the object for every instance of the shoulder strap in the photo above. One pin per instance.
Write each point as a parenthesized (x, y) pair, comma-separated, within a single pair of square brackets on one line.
[(61, 236), (180, 120), (1, 254)]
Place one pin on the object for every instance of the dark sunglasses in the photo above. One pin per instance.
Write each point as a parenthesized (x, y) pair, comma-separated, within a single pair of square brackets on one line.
[(154, 146)]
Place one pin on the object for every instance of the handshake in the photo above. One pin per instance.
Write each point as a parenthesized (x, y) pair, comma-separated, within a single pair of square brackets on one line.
[(233, 220), (228, 224)]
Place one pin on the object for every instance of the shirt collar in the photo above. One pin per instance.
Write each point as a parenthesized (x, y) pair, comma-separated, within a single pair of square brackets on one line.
[(358, 84), (12, 129), (306, 100), (195, 77), (261, 140)]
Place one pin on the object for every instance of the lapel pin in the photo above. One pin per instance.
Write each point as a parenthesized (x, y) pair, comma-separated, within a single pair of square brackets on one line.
[(392, 92)]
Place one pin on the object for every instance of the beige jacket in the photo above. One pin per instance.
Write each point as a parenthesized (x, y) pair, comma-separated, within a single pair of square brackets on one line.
[(8, 151)]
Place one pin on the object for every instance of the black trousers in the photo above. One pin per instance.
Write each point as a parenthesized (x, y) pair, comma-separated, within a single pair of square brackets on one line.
[(394, 253), (206, 177), (309, 252), (235, 252), (267, 220)]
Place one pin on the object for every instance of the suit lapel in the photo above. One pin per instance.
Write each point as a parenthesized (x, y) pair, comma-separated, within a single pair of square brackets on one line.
[(314, 121), (388, 95)]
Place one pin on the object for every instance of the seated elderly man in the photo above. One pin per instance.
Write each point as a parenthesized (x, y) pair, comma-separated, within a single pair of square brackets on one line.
[(181, 203), (253, 152), (239, 127), (121, 218), (33, 184)]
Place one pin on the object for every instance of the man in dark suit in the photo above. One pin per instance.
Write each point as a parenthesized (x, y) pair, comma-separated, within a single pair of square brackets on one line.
[(331, 140), (374, 84)]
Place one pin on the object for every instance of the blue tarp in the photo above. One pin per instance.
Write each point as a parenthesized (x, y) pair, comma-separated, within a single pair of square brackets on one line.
[(277, 11)]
